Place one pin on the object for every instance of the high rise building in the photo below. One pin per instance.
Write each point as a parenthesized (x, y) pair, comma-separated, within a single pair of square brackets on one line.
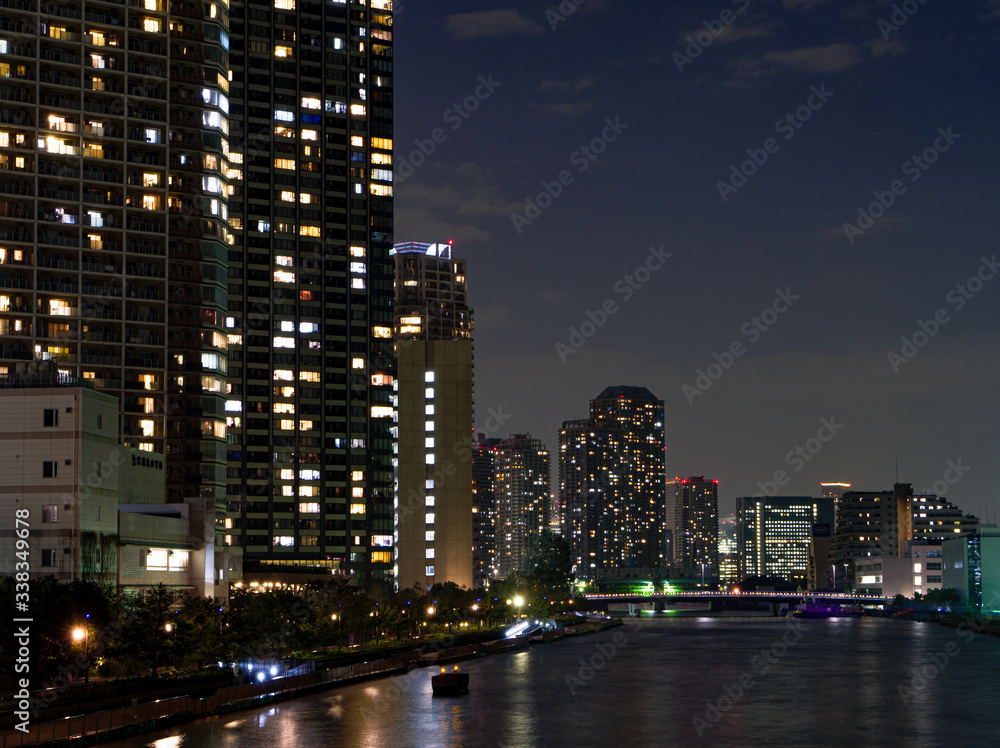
[(114, 130), (774, 534), (485, 512), (834, 491), (579, 517), (611, 483), (308, 404), (523, 499), (695, 526), (433, 327), (729, 568)]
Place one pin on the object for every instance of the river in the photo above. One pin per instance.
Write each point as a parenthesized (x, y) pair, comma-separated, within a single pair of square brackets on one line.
[(662, 681)]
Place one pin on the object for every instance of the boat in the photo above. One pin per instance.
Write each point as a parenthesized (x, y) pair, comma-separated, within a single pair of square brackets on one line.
[(824, 610), (450, 684)]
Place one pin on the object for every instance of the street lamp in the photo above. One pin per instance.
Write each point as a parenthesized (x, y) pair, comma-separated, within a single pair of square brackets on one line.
[(518, 602), (84, 635)]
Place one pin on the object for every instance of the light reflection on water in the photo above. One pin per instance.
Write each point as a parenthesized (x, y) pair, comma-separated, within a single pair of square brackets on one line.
[(837, 684)]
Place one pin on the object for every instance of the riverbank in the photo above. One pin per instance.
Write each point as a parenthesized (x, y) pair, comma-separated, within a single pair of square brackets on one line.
[(103, 726)]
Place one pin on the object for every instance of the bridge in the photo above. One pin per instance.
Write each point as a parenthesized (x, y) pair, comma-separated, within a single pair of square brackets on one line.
[(717, 600)]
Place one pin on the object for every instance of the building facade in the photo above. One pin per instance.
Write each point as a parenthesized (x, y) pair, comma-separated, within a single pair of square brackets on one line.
[(114, 138), (94, 508), (611, 483), (308, 405), (729, 557), (434, 514), (485, 551), (522, 490), (774, 534), (695, 526)]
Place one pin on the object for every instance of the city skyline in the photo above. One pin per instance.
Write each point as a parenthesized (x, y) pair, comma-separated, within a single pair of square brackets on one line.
[(517, 94)]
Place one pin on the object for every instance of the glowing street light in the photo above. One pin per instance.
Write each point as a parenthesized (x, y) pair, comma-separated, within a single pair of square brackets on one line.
[(518, 602), (83, 634)]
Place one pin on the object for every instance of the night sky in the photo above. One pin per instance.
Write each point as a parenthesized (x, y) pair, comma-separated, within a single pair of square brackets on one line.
[(839, 105)]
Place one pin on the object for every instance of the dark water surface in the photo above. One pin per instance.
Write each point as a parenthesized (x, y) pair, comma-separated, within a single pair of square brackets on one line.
[(658, 682)]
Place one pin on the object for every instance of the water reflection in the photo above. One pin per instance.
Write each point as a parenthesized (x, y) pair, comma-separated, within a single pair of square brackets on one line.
[(838, 684)]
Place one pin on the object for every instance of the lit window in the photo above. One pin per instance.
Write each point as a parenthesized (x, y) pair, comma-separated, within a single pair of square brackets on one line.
[(381, 411), (310, 376), (356, 363), (382, 332), (282, 276), (357, 492), (150, 179), (309, 231), (309, 103), (428, 425), (281, 50), (284, 408), (429, 376), (380, 190), (429, 571), (280, 342), (284, 4), (357, 508), (287, 474), (284, 163), (357, 251), (283, 375), (358, 283), (309, 135), (429, 442), (429, 518), (60, 308), (151, 24), (284, 115), (359, 267), (308, 328), (358, 110), (147, 427)]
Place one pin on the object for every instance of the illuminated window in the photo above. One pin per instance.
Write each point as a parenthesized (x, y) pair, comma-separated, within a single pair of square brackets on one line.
[(151, 202), (286, 424), (384, 557), (284, 163), (305, 425), (284, 407), (358, 110), (382, 159), (357, 492), (309, 103), (280, 342), (307, 199), (357, 251), (150, 179), (284, 4), (284, 375), (281, 50), (286, 196), (309, 135), (357, 283), (357, 363), (381, 411), (151, 24), (284, 540), (310, 508), (309, 231), (284, 115), (283, 276), (359, 267), (380, 190), (384, 144), (287, 474), (309, 376), (60, 308), (357, 508), (382, 332), (147, 427)]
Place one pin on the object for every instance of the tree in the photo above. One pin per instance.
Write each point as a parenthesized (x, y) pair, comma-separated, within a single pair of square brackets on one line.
[(146, 635), (549, 562)]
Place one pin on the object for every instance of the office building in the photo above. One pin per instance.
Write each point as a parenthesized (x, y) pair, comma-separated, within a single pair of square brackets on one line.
[(611, 483), (695, 523), (919, 571), (308, 403), (834, 491), (729, 567), (114, 138), (434, 513), (774, 534), (522, 482)]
